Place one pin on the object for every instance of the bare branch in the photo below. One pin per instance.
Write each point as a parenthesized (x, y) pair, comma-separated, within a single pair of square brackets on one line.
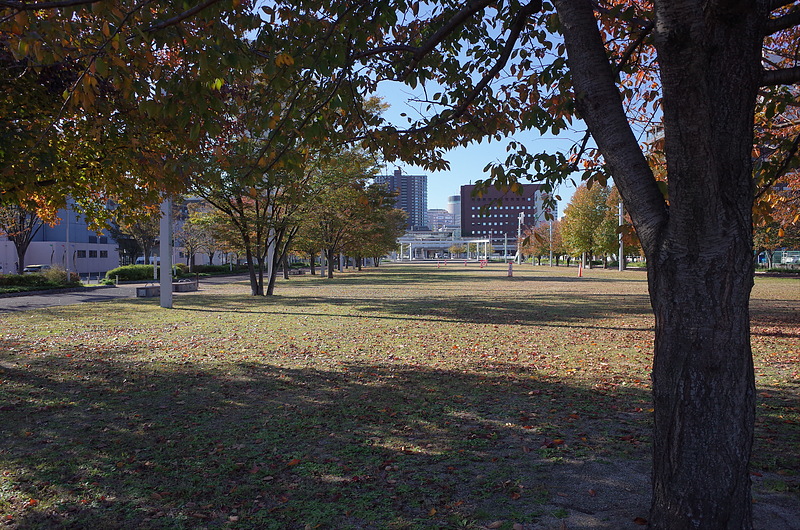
[(784, 76)]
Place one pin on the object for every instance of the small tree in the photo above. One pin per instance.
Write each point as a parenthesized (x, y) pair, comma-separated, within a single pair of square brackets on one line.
[(583, 217), (20, 226), (456, 250)]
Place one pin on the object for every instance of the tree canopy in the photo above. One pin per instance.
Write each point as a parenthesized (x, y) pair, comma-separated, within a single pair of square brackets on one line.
[(709, 87)]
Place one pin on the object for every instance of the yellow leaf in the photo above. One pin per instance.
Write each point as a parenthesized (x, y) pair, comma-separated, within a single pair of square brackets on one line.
[(106, 30), (284, 59), (780, 232), (432, 512)]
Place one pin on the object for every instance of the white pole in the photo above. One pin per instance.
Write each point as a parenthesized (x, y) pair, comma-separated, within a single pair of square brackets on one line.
[(165, 247), (66, 264), (551, 242), (519, 236), (621, 257)]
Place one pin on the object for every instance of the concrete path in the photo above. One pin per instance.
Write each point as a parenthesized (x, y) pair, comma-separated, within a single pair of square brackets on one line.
[(99, 293)]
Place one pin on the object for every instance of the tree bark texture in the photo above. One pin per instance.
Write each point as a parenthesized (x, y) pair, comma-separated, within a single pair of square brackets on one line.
[(699, 247)]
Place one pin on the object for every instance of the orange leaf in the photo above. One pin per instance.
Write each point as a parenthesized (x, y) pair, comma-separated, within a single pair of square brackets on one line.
[(293, 462), (640, 521), (432, 512)]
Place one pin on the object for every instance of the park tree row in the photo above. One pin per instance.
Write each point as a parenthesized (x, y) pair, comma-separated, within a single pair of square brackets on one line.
[(105, 97)]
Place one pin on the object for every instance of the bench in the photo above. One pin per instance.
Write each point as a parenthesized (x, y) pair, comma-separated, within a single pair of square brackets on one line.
[(149, 291)]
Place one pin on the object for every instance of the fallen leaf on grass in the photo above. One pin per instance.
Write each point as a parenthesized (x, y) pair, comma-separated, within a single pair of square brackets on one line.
[(293, 462), (640, 521), (496, 524)]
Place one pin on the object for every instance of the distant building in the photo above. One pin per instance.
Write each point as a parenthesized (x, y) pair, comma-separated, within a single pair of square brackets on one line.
[(412, 198), (454, 207), (500, 221), (439, 219), (70, 244)]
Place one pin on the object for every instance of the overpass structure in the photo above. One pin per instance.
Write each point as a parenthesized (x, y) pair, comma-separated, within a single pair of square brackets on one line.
[(436, 245)]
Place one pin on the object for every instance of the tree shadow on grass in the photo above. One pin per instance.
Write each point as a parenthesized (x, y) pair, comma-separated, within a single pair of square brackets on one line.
[(546, 310), (106, 441)]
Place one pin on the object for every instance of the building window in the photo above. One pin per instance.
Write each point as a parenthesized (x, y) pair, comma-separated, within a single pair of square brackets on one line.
[(80, 254), (103, 253), (92, 253)]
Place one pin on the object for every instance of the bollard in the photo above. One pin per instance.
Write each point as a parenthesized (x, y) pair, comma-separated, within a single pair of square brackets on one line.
[(465, 263), (510, 269), (116, 282), (580, 271)]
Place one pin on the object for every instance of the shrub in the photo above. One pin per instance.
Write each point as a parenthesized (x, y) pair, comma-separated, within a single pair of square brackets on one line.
[(213, 268), (24, 280), (180, 269), (58, 275), (131, 273)]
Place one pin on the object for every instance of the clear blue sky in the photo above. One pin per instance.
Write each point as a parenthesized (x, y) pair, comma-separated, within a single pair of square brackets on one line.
[(467, 163)]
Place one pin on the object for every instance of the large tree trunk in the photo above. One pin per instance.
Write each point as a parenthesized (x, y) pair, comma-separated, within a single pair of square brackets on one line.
[(698, 250), (702, 273), (703, 387)]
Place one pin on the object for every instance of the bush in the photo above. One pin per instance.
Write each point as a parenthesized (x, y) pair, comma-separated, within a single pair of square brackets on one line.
[(131, 273), (214, 269), (180, 269), (24, 280), (58, 275)]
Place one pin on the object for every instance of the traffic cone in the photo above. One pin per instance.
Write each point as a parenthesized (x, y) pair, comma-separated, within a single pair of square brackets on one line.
[(580, 271)]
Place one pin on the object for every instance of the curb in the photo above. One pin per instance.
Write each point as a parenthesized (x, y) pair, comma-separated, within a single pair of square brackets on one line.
[(56, 291)]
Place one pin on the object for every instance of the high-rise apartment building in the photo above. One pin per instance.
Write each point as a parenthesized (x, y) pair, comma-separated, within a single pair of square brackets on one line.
[(412, 198)]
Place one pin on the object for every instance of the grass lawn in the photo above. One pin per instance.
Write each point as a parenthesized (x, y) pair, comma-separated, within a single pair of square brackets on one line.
[(399, 397)]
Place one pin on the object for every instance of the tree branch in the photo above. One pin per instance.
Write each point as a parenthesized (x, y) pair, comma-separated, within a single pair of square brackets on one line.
[(451, 25), (783, 76), (789, 20), (180, 17), (32, 6), (784, 167), (777, 4), (598, 100), (647, 28), (517, 26)]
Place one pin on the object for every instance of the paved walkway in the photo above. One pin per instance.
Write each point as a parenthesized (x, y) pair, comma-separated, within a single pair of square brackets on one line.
[(98, 293)]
